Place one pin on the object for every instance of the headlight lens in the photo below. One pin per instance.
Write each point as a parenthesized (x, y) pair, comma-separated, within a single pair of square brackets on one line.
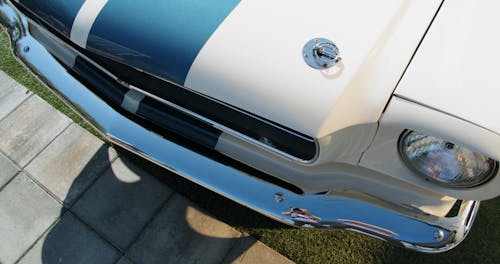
[(445, 162)]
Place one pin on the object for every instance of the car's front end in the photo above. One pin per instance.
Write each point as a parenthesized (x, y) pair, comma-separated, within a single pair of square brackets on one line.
[(224, 94)]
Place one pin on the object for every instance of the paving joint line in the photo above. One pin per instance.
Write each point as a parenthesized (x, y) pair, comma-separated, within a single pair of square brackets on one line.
[(157, 212), (48, 144), (123, 256), (101, 236), (33, 179), (150, 220), (43, 187), (40, 237), (12, 161), (15, 175), (19, 105), (9, 181), (93, 181), (225, 258), (69, 208)]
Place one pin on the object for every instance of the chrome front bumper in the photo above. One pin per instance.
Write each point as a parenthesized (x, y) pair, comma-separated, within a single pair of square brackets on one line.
[(406, 228)]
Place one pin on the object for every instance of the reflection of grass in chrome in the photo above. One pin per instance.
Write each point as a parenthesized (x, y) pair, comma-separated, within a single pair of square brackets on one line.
[(12, 67), (337, 246), (300, 245)]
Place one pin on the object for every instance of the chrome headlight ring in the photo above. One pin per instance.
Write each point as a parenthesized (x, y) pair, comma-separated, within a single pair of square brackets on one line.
[(443, 162)]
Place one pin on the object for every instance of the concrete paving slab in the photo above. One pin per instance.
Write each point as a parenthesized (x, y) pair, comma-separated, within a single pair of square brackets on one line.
[(12, 94), (5, 79), (26, 212), (7, 170), (71, 241), (124, 260), (121, 202), (71, 163), (31, 127), (180, 233), (249, 250)]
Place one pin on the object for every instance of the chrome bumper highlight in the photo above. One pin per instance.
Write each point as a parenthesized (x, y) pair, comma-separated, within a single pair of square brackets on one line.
[(414, 231)]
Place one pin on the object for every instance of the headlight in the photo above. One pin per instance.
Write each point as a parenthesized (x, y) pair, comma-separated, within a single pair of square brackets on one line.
[(444, 162)]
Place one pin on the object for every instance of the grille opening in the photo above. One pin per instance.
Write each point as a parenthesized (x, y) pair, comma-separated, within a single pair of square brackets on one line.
[(266, 132), (113, 93), (257, 128), (455, 209)]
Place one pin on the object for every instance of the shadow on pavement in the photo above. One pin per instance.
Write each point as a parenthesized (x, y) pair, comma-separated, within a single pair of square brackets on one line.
[(125, 211)]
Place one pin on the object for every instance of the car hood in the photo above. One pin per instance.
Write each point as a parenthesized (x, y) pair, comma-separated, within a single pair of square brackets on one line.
[(455, 70), (249, 54)]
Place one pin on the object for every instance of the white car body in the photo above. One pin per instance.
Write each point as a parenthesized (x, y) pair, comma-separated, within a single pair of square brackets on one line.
[(443, 91), (425, 65)]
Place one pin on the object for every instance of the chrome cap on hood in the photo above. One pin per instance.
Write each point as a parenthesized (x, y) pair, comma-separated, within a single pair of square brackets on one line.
[(254, 60), (249, 54)]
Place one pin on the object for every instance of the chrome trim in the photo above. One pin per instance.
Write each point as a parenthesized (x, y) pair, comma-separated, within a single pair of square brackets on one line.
[(480, 179), (223, 128), (230, 131), (266, 147), (398, 226)]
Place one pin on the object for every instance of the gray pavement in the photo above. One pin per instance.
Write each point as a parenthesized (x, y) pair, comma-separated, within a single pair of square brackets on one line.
[(66, 197)]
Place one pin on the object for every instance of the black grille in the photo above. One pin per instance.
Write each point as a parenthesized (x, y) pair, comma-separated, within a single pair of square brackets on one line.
[(265, 131)]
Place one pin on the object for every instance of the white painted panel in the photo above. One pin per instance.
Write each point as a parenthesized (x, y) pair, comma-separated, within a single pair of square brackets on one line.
[(456, 69), (254, 59), (85, 20), (383, 156), (339, 178)]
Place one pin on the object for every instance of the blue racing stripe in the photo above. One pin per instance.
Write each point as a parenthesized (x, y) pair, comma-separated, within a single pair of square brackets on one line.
[(57, 13), (162, 37)]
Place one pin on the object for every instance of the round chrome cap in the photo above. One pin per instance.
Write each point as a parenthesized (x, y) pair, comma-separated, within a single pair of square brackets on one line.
[(320, 53)]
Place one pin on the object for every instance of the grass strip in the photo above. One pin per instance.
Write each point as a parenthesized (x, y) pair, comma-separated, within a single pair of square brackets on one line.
[(11, 66), (299, 245)]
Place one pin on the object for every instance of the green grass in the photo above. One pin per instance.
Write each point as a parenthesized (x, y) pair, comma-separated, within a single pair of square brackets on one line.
[(338, 246), (301, 246), (10, 65)]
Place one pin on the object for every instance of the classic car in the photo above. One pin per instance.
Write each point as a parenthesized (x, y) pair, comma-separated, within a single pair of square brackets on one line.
[(373, 116)]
